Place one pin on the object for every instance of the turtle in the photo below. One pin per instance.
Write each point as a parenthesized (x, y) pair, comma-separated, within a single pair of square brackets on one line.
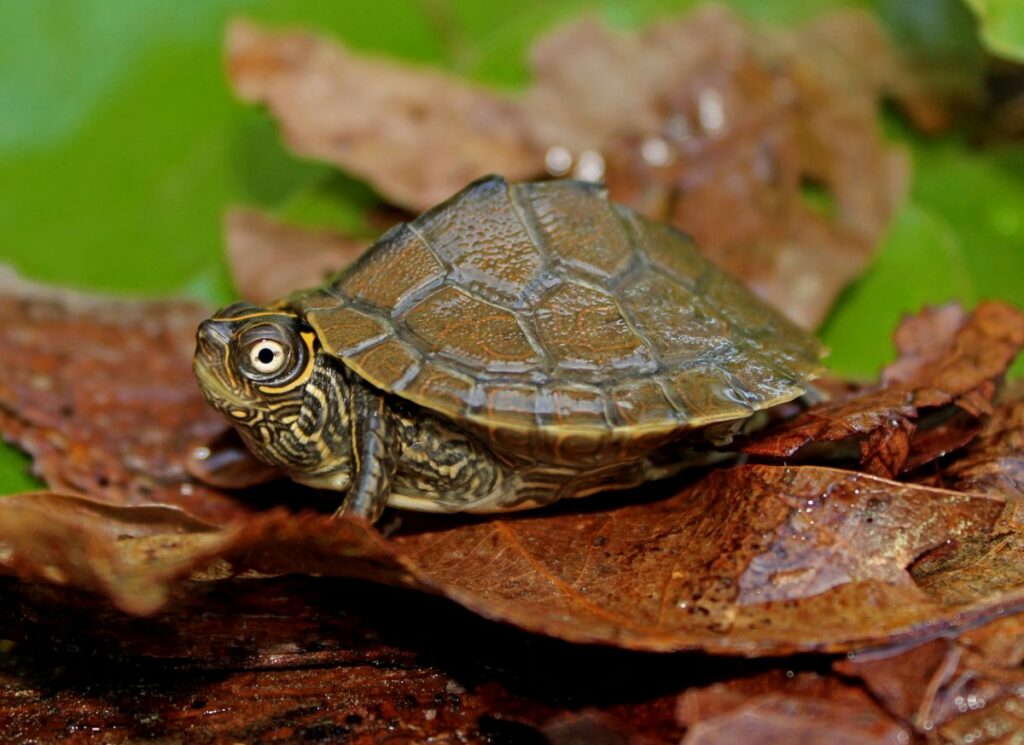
[(512, 346)]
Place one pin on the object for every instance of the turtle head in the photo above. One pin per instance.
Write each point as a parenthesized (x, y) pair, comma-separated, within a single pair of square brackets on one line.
[(263, 369)]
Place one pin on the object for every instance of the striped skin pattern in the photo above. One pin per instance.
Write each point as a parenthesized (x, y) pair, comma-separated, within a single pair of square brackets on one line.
[(510, 347)]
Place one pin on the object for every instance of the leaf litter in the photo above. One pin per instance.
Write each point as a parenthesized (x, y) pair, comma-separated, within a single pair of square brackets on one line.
[(908, 559), (751, 560)]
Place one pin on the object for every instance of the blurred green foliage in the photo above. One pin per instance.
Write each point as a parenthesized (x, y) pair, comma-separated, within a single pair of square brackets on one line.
[(121, 145), (1002, 26)]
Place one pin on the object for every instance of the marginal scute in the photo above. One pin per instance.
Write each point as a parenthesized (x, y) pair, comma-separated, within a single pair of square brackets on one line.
[(709, 394), (578, 406), (481, 234), (517, 399), (641, 401), (564, 215), (477, 334), (343, 330), (449, 391), (391, 363), (399, 264)]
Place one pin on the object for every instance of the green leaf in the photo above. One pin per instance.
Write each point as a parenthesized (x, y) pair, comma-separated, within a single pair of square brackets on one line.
[(14, 472), (959, 237), (1002, 26)]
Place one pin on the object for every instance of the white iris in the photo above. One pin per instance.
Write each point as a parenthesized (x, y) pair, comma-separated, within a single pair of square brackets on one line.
[(266, 356)]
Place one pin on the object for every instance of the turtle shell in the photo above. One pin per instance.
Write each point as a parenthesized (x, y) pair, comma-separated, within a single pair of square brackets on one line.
[(557, 323)]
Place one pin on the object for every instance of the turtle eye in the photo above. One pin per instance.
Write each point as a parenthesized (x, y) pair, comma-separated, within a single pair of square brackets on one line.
[(267, 356)]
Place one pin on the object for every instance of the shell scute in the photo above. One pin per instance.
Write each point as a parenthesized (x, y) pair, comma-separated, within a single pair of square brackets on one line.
[(392, 362), (711, 393), (401, 266), (469, 331), (642, 401), (585, 331), (483, 238), (562, 217), (673, 318), (671, 252), (578, 406), (344, 331), (449, 389)]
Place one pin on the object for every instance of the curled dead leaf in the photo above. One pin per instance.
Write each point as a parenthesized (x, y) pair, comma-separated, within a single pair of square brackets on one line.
[(951, 687), (948, 357)]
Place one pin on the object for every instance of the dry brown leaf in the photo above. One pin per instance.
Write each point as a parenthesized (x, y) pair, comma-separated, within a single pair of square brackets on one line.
[(701, 121), (994, 462), (101, 394), (133, 555), (753, 560), (748, 140), (777, 707), (951, 687), (947, 357), (269, 259), (416, 135)]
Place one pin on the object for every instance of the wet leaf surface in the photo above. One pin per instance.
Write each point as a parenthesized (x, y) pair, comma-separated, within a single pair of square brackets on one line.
[(954, 687), (947, 357), (763, 145)]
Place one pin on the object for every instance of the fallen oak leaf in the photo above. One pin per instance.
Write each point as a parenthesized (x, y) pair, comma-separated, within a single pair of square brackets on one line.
[(269, 259), (951, 358), (417, 136), (753, 560)]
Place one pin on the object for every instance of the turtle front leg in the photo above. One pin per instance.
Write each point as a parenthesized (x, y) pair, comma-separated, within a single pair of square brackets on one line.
[(373, 453)]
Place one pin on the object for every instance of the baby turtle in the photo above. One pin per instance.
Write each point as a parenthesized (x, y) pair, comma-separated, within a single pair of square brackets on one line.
[(512, 346)]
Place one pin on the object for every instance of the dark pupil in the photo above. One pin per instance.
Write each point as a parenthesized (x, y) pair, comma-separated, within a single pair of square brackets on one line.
[(266, 355)]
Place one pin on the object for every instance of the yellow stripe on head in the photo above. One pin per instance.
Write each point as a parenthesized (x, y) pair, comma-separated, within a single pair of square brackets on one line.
[(309, 339)]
